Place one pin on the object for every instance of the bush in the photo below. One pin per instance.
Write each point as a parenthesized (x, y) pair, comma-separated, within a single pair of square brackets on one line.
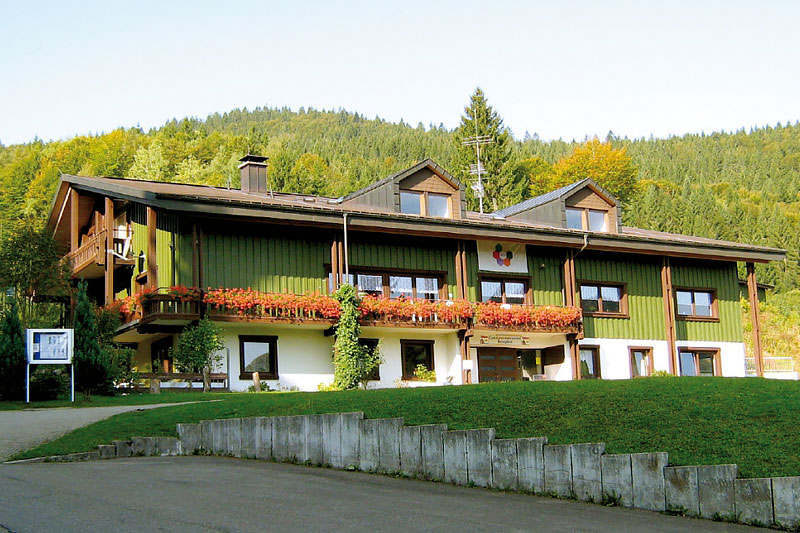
[(92, 372), (48, 383), (422, 373), (12, 355)]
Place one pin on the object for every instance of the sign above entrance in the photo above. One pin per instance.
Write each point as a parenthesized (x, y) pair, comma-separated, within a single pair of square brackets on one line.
[(498, 256), (498, 339)]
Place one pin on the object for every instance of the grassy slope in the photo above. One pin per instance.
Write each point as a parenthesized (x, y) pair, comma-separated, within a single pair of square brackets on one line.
[(752, 422), (113, 401)]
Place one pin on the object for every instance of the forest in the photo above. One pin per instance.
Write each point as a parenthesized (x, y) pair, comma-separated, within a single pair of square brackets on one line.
[(742, 186)]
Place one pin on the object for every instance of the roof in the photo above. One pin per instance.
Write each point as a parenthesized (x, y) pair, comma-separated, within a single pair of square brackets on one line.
[(283, 208), (557, 194), (430, 163)]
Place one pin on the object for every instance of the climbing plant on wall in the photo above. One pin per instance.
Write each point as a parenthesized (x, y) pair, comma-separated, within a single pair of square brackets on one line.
[(352, 362)]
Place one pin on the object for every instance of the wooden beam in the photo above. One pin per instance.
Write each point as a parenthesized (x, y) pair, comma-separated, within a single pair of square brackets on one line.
[(569, 301), (459, 273), (109, 248), (669, 315), (335, 279), (340, 252), (74, 218), (152, 265), (195, 257), (752, 290), (575, 355), (463, 343), (464, 270)]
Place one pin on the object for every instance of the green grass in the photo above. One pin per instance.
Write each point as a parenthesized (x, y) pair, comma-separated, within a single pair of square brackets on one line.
[(752, 422), (112, 401)]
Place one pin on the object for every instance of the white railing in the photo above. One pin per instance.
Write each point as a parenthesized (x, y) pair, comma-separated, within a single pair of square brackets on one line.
[(771, 364)]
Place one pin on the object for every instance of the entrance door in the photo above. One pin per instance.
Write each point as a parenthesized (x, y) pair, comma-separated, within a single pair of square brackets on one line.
[(498, 364), (160, 355)]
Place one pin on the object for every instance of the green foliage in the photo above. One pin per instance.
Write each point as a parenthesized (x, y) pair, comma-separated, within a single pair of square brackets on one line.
[(352, 362), (422, 373), (198, 347), (48, 383), (748, 421), (12, 355), (661, 374), (92, 372), (610, 167)]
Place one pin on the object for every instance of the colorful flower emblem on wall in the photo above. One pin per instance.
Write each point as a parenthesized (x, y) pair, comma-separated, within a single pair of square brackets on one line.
[(502, 258)]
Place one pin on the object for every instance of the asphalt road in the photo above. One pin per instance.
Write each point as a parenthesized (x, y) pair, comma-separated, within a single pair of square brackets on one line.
[(26, 428), (221, 494)]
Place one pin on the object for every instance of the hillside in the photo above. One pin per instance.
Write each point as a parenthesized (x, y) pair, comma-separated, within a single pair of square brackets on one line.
[(742, 186)]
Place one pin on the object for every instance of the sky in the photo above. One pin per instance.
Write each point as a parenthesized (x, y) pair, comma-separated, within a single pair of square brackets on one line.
[(554, 68)]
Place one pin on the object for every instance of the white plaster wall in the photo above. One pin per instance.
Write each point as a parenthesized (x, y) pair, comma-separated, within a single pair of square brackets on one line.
[(731, 355), (562, 371)]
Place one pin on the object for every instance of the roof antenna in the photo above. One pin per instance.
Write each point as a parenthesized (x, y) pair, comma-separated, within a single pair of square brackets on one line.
[(477, 168)]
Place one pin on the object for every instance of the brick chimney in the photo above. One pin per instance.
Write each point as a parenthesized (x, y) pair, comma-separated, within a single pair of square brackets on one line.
[(254, 174)]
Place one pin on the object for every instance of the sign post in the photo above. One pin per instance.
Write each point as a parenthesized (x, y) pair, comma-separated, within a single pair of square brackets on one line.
[(49, 347)]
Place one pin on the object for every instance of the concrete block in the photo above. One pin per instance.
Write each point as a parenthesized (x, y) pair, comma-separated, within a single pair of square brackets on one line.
[(191, 437), (219, 438), (74, 457), (587, 478), (389, 445), (264, 438), (123, 448), (479, 456), (753, 501), (207, 436), (280, 438), (530, 463), (715, 488), (786, 501), (312, 451), (369, 445), (165, 446), (233, 437), (647, 471), (143, 446), (432, 448), (250, 435), (107, 451), (558, 470), (351, 439), (680, 486), (332, 440), (296, 437), (454, 446), (617, 478), (504, 464), (410, 451)]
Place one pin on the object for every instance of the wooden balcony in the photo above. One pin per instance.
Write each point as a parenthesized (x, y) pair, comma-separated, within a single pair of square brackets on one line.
[(89, 260), (168, 310)]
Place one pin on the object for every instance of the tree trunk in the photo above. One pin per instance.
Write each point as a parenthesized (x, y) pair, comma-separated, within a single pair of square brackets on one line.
[(206, 380)]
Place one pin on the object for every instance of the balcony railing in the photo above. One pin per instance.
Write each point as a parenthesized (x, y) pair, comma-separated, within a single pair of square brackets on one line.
[(89, 253), (776, 364), (181, 304)]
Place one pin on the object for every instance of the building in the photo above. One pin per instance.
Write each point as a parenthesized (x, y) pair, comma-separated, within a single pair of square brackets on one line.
[(474, 297)]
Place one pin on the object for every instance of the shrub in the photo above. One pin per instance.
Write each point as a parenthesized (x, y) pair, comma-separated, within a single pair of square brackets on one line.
[(12, 355), (422, 373), (91, 363), (198, 346), (48, 382)]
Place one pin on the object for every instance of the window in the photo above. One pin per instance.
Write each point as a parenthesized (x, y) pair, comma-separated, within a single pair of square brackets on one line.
[(416, 353), (590, 362), (641, 362), (410, 202), (428, 286), (375, 375), (258, 353), (604, 299), (505, 291), (370, 284), (700, 362), (438, 205), (696, 304), (587, 219)]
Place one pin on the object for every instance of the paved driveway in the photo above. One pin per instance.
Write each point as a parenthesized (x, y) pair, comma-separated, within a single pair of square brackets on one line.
[(223, 494), (22, 430)]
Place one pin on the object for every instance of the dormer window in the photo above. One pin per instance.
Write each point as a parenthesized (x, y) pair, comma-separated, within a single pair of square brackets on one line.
[(425, 203), (587, 219)]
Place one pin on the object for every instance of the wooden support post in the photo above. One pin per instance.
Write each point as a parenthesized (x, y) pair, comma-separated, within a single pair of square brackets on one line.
[(570, 288), (201, 246), (152, 266), (464, 271), (752, 291), (74, 218), (335, 278), (669, 315), (109, 249), (340, 247), (459, 272), (195, 257), (463, 342)]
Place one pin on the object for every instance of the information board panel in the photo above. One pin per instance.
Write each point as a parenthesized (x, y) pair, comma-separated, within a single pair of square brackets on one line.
[(50, 346)]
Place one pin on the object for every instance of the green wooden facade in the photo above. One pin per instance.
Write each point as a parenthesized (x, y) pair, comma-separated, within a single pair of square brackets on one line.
[(723, 278)]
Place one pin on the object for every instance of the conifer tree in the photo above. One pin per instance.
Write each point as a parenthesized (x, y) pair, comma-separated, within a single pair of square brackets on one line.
[(12, 355), (479, 119), (91, 366)]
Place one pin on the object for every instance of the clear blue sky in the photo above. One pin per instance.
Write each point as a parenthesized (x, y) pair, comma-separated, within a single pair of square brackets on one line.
[(559, 69)]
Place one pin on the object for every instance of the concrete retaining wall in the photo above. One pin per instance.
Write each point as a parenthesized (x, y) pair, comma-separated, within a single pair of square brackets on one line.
[(475, 457)]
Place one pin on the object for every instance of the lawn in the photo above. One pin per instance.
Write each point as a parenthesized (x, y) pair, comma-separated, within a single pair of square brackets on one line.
[(112, 401), (752, 422)]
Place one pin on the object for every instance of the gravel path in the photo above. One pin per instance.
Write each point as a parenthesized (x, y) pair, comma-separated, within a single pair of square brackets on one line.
[(22, 430)]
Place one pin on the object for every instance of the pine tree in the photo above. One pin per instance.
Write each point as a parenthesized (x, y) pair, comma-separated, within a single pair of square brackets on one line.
[(91, 366), (479, 119), (12, 355)]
